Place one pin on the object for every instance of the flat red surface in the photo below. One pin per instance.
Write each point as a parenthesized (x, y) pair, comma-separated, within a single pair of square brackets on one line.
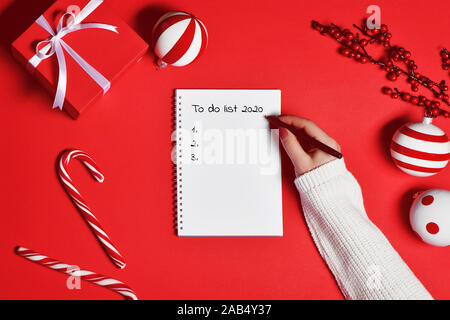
[(263, 44)]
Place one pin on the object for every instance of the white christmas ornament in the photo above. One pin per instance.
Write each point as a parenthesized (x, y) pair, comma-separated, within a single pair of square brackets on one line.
[(420, 149), (430, 217), (179, 38)]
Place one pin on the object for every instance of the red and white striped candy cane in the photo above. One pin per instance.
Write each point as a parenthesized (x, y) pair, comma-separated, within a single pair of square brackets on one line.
[(80, 203), (98, 279)]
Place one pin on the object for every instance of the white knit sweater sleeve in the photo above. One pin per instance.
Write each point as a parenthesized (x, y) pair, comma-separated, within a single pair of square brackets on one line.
[(362, 260)]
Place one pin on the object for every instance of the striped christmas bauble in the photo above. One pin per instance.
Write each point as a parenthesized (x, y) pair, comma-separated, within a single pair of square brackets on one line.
[(179, 38), (420, 149)]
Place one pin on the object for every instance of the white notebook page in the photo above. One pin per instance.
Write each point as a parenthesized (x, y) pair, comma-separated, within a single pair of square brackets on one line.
[(228, 163)]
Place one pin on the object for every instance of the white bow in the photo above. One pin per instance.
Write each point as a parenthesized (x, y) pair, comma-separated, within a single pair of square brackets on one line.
[(55, 44)]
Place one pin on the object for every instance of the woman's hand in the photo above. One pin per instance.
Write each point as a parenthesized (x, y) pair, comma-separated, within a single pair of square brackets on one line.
[(302, 160)]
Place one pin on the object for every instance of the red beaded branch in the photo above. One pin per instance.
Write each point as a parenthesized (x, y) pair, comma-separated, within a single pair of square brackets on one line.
[(354, 46), (445, 56)]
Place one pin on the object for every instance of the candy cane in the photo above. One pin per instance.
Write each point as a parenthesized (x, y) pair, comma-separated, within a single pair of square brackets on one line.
[(81, 205), (98, 279)]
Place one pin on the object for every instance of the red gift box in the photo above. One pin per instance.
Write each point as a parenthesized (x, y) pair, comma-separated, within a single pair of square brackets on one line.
[(109, 53)]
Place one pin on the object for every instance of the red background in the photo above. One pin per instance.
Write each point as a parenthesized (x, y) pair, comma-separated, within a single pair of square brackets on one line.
[(253, 44)]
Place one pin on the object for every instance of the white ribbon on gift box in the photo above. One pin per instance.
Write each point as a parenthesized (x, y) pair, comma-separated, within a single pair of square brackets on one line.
[(55, 44)]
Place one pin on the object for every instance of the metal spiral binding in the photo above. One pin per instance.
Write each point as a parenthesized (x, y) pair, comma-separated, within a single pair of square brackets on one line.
[(178, 168)]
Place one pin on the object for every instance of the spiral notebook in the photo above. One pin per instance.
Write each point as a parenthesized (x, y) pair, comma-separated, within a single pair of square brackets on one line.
[(228, 170)]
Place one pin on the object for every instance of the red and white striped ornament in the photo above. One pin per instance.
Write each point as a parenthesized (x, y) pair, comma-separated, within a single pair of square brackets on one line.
[(420, 149), (98, 279), (179, 38), (81, 204)]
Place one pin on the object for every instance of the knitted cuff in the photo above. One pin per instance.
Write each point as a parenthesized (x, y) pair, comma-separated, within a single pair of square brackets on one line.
[(311, 179)]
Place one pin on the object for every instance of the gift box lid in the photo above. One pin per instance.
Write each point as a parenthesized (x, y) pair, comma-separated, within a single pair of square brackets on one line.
[(108, 52)]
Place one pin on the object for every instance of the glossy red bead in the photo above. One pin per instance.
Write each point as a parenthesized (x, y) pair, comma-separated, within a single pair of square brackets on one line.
[(406, 96), (391, 76), (349, 36), (387, 90), (414, 100), (356, 47)]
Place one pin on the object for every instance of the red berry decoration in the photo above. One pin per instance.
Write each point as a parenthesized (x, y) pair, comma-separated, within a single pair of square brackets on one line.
[(387, 90), (396, 62), (392, 76), (348, 36), (431, 108), (356, 47), (406, 96), (445, 56)]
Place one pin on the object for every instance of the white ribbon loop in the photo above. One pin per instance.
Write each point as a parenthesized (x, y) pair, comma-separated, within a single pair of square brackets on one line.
[(55, 44)]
